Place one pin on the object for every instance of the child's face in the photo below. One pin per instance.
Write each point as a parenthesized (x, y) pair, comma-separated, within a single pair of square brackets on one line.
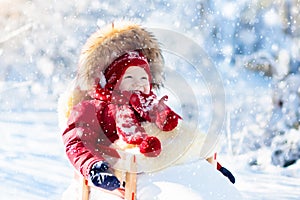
[(135, 78)]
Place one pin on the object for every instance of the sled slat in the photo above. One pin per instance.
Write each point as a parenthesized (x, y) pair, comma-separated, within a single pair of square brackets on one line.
[(85, 189), (131, 181)]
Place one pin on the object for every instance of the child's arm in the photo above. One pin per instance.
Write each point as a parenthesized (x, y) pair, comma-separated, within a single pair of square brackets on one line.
[(155, 111), (81, 136)]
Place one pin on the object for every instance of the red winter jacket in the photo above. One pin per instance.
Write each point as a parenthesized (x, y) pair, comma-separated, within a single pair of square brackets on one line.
[(83, 134), (84, 138)]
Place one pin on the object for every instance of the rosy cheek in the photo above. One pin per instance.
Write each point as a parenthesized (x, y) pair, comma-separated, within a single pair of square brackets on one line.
[(146, 89)]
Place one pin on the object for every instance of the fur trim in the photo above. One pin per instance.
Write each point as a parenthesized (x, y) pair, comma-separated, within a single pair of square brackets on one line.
[(69, 98), (107, 44), (100, 50)]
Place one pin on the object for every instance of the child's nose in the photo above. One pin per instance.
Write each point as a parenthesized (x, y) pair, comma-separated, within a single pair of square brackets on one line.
[(138, 82)]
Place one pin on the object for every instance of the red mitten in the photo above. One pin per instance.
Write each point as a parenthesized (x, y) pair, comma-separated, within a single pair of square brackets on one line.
[(128, 126), (150, 147), (166, 119), (142, 103)]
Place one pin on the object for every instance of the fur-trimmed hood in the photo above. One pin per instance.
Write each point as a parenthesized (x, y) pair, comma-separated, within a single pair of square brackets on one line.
[(107, 44), (100, 50)]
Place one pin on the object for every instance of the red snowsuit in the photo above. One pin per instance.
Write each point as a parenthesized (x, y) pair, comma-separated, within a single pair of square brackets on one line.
[(92, 125)]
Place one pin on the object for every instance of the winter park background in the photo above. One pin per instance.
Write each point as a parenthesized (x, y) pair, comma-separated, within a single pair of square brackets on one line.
[(255, 46)]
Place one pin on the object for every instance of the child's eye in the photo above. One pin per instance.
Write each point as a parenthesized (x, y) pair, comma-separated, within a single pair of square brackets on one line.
[(144, 78), (128, 77)]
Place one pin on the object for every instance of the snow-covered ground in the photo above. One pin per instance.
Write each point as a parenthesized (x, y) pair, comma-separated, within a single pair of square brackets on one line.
[(39, 48), (274, 184), (33, 164)]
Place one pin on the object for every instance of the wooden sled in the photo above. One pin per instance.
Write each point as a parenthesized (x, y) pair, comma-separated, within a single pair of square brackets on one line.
[(128, 192)]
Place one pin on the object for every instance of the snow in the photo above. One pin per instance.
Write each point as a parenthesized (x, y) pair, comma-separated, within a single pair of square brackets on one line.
[(39, 48), (32, 164), (175, 183)]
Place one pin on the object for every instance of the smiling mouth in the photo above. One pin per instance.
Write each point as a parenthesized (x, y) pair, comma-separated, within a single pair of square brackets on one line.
[(140, 88)]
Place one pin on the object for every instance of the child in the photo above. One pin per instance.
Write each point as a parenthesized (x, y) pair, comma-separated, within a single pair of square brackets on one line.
[(111, 100), (129, 102)]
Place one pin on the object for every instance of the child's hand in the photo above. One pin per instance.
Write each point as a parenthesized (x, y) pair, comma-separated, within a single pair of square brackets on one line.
[(166, 119), (142, 104), (101, 176)]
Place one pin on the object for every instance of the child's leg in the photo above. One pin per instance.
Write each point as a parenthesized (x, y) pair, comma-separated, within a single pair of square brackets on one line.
[(213, 160)]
